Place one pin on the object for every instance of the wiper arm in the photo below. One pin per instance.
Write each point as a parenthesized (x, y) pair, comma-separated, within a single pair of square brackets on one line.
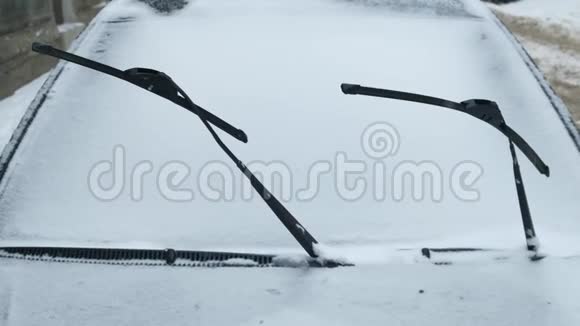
[(162, 85), (151, 80), (486, 111)]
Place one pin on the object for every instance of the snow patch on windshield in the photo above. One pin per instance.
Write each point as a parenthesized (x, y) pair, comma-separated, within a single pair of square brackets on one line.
[(239, 262), (326, 253)]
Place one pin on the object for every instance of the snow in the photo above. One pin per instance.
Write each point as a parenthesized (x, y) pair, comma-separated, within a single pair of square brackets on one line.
[(239, 262), (566, 12), (12, 108), (328, 253), (534, 242), (63, 28), (563, 65), (550, 31), (290, 260), (514, 292)]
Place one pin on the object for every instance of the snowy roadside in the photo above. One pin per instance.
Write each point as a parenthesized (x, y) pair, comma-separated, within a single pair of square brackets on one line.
[(13, 107), (550, 32)]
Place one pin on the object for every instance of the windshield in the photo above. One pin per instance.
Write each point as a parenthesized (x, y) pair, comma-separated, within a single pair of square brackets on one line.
[(105, 163)]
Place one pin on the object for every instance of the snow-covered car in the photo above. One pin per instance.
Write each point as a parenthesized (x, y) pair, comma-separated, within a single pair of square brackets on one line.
[(118, 207)]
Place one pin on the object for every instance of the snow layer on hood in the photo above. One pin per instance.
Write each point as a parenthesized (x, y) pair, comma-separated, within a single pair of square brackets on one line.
[(514, 292), (273, 68)]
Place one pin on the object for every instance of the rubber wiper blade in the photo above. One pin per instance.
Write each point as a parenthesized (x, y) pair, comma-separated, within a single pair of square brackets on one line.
[(488, 112), (148, 79), (484, 110)]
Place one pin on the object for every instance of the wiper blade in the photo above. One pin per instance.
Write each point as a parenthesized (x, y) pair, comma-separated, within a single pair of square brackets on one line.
[(484, 110), (488, 112), (149, 79), (162, 85)]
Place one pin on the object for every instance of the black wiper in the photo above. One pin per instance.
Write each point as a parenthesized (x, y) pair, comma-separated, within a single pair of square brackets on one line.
[(151, 80), (486, 111), (162, 85)]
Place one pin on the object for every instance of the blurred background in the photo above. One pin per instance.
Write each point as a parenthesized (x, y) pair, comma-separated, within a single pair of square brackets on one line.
[(22, 21), (549, 30)]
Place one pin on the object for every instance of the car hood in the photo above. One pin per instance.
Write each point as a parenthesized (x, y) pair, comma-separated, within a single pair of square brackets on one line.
[(475, 293)]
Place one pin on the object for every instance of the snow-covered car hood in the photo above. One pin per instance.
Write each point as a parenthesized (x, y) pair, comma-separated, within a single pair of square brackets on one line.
[(274, 69), (493, 293)]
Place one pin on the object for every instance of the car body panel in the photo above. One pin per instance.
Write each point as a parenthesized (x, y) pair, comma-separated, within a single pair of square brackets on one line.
[(475, 293), (273, 68)]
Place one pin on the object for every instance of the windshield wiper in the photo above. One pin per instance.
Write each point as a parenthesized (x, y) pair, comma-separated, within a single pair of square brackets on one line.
[(151, 80), (162, 85), (486, 111)]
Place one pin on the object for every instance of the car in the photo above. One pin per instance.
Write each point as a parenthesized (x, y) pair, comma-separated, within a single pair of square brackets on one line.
[(315, 207)]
